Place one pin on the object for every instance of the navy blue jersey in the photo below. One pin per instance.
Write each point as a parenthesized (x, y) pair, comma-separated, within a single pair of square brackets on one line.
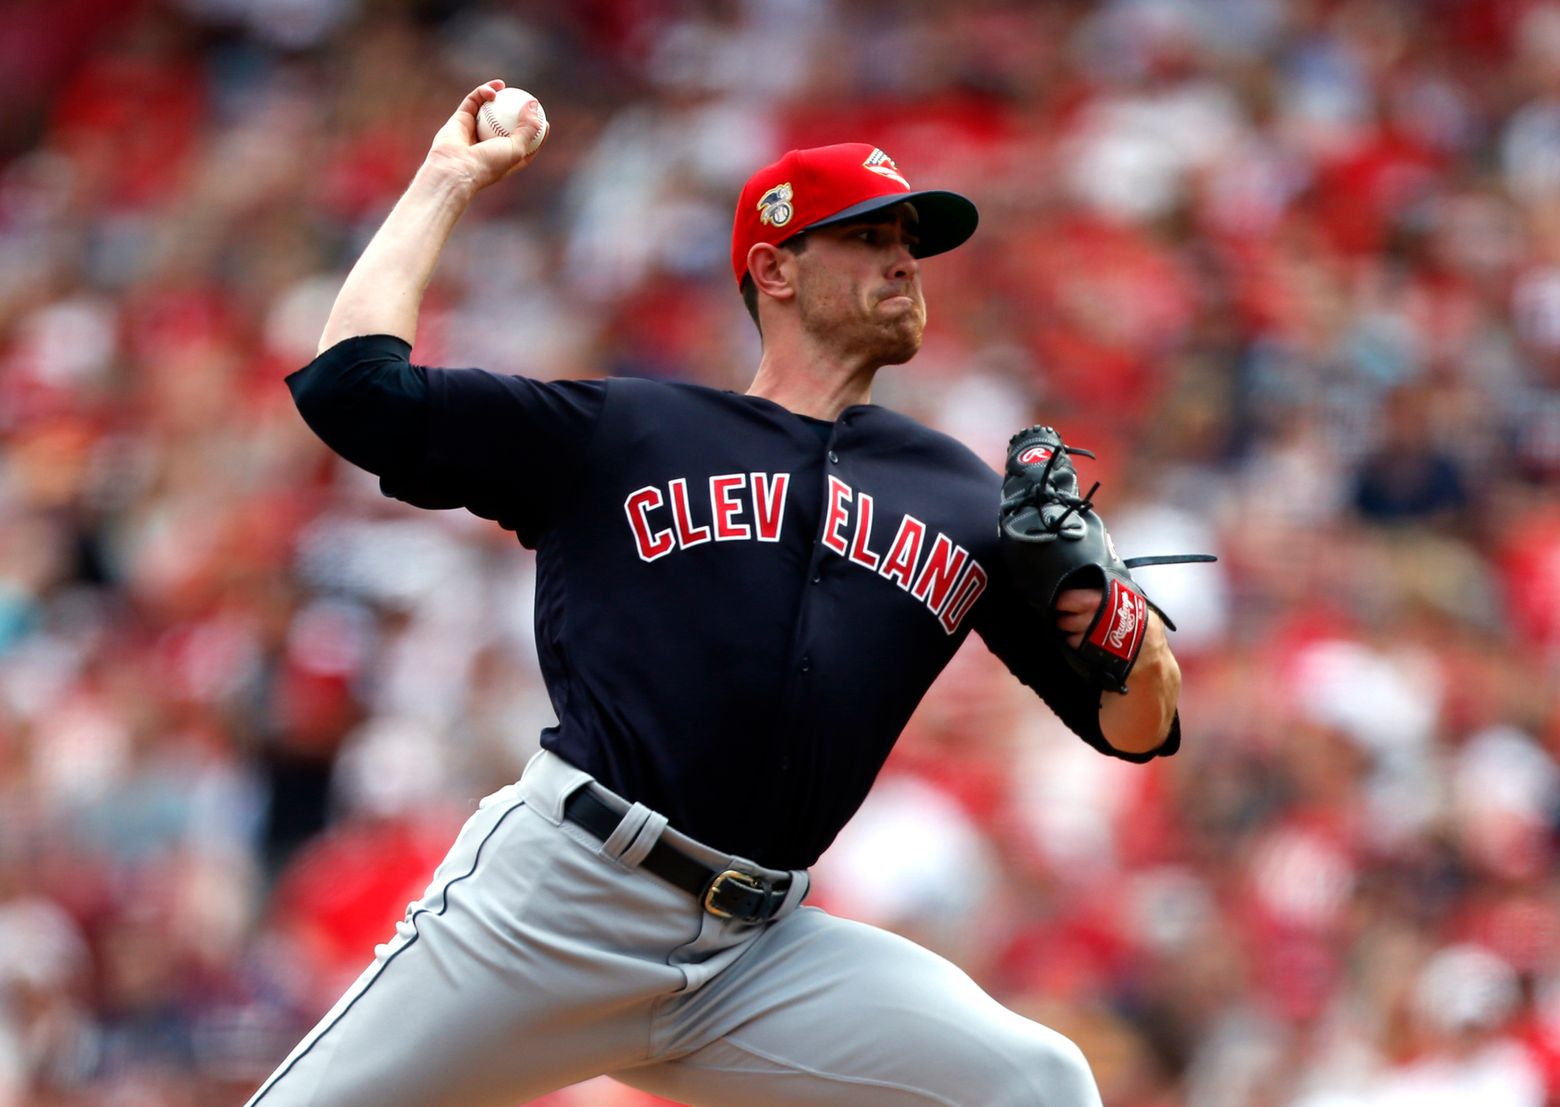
[(737, 608)]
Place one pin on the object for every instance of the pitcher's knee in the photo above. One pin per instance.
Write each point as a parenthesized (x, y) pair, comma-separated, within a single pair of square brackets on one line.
[(1047, 1070)]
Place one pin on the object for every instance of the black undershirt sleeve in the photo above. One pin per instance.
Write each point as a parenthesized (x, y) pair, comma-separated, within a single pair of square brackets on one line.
[(507, 448), (368, 402)]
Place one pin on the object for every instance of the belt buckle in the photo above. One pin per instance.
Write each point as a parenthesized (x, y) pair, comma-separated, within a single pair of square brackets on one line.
[(736, 876)]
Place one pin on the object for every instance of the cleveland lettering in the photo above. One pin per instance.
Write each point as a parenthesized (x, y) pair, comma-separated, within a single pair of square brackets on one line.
[(750, 507)]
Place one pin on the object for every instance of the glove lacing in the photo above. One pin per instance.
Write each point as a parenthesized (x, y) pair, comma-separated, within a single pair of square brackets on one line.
[(1040, 494)]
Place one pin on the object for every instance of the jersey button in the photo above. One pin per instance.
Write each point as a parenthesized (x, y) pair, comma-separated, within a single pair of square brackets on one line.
[(806, 664), (817, 578), (834, 458)]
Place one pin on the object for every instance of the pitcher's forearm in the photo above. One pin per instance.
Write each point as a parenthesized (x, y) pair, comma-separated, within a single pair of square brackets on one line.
[(383, 292), (1138, 721)]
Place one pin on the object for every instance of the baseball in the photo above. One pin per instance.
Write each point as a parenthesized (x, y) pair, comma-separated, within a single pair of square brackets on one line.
[(500, 117)]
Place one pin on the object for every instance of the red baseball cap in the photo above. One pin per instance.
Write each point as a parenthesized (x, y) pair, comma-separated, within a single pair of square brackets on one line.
[(832, 184)]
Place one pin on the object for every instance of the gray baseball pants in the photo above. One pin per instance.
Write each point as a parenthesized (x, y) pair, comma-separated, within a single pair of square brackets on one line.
[(539, 957)]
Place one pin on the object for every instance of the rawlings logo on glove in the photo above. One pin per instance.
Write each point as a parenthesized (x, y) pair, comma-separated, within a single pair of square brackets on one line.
[(1052, 538), (1129, 611)]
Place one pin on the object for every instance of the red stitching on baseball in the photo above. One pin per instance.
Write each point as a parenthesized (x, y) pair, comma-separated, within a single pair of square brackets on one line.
[(487, 113)]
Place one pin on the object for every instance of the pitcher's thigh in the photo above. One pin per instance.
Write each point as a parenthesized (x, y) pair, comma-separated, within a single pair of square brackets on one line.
[(497, 989), (827, 1011)]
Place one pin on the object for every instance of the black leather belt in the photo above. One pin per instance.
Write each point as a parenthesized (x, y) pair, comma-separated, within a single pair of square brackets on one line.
[(725, 893)]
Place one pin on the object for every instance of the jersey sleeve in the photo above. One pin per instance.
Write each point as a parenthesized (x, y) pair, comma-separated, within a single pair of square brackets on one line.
[(1033, 653), (503, 447)]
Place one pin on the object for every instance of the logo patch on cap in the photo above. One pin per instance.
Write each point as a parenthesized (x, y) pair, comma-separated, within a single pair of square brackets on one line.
[(883, 165), (774, 208)]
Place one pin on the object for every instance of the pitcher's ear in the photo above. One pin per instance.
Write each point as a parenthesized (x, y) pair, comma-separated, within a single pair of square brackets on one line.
[(765, 265)]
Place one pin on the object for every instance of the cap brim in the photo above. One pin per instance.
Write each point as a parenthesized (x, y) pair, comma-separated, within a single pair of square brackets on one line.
[(944, 219)]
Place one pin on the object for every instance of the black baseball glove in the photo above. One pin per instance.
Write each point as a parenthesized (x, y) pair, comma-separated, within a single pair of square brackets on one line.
[(1053, 539)]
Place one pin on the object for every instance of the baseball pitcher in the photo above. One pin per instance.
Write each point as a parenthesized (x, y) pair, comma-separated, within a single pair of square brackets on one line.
[(740, 600)]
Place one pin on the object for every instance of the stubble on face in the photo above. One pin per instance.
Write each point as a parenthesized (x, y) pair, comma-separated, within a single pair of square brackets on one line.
[(902, 313), (879, 322)]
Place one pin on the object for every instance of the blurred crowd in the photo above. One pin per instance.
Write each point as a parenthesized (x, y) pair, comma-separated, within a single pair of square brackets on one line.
[(1290, 267)]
